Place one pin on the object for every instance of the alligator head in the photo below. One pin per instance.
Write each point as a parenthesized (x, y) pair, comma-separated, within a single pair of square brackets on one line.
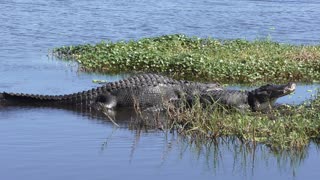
[(263, 98), (260, 99)]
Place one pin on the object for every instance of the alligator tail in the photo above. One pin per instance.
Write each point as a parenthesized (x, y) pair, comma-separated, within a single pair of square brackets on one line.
[(80, 98)]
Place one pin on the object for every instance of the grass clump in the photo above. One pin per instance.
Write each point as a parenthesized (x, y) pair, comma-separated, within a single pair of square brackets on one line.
[(282, 129), (238, 60)]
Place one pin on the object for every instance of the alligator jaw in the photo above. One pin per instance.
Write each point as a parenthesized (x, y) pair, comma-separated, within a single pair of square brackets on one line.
[(282, 90), (291, 87), (263, 98)]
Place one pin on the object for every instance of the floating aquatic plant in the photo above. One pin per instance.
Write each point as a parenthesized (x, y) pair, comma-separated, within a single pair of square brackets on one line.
[(207, 59)]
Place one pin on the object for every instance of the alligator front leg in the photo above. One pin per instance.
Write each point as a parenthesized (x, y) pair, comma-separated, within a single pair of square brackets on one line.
[(105, 101)]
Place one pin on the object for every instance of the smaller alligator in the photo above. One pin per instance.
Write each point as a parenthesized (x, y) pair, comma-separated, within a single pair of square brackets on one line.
[(260, 99)]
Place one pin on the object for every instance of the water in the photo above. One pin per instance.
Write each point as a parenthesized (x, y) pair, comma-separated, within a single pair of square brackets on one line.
[(46, 143)]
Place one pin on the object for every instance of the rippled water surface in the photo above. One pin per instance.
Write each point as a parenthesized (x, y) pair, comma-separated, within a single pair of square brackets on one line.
[(44, 143)]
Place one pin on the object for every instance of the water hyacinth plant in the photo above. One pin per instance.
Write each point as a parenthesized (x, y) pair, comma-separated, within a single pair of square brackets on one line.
[(208, 59)]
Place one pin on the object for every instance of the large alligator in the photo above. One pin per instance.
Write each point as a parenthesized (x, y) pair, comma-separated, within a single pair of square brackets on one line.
[(149, 90)]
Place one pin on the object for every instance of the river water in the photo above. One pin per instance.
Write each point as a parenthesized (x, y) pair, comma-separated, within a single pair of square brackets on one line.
[(44, 143)]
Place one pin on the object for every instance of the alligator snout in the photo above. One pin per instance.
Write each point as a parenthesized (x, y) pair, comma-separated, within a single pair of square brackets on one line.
[(290, 87)]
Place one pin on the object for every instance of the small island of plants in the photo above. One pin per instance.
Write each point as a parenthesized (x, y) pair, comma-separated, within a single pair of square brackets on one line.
[(238, 61), (224, 61)]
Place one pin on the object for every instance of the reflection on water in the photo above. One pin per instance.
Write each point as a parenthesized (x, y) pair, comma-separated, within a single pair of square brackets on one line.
[(224, 156), (245, 157)]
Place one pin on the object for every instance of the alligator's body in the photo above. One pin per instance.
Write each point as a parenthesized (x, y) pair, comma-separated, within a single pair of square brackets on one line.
[(143, 90), (149, 90)]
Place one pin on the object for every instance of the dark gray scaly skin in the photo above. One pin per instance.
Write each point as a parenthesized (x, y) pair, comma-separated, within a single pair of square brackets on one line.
[(144, 90), (260, 99), (149, 90)]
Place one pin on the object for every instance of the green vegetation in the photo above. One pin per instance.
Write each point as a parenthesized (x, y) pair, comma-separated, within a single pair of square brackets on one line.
[(287, 127), (214, 60), (228, 61)]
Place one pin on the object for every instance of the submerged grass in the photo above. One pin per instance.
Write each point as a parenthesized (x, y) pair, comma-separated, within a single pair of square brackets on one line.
[(210, 59), (282, 129)]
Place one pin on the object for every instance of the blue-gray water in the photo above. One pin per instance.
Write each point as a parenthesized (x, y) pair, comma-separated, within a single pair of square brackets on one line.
[(43, 143)]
